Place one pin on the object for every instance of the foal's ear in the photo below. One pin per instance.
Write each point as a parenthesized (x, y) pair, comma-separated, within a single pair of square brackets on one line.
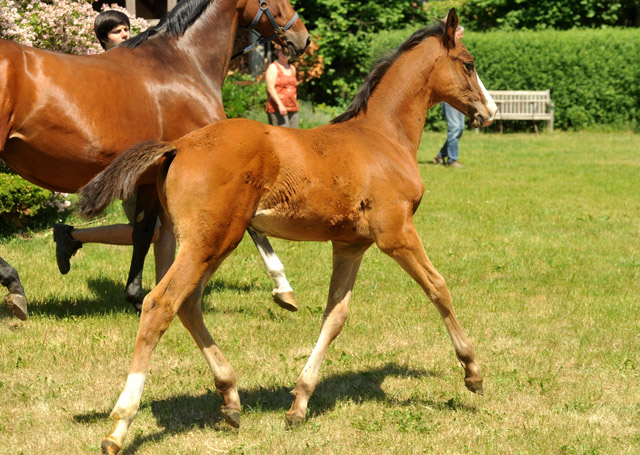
[(451, 25)]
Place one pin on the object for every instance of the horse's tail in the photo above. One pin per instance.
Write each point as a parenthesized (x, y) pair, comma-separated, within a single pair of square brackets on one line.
[(119, 179)]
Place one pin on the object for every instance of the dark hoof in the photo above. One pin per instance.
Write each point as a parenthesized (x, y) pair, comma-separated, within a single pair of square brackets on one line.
[(17, 305), (135, 299), (109, 447), (231, 416), (137, 306), (475, 387), (66, 246), (293, 420), (286, 300)]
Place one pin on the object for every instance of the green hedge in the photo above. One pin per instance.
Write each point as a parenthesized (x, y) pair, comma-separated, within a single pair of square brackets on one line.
[(241, 93), (25, 206), (593, 75)]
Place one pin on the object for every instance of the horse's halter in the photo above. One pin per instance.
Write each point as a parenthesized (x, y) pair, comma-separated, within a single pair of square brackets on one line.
[(279, 31)]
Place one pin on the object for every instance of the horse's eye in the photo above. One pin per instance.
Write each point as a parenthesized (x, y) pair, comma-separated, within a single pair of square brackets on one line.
[(468, 66)]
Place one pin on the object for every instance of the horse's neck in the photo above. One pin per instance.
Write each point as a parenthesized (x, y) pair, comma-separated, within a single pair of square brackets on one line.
[(399, 104), (209, 41)]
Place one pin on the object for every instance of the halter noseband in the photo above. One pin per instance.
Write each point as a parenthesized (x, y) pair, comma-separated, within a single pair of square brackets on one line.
[(279, 31)]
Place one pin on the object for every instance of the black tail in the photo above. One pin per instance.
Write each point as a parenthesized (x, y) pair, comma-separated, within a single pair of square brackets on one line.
[(119, 179)]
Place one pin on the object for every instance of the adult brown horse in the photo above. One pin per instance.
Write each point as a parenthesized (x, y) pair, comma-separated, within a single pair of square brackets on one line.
[(64, 118), (354, 182)]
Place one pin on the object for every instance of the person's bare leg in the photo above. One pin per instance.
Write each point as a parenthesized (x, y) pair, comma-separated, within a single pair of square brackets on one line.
[(68, 240), (114, 234)]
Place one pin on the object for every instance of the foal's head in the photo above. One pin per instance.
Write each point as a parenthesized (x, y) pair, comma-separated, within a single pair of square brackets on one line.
[(288, 31), (457, 81)]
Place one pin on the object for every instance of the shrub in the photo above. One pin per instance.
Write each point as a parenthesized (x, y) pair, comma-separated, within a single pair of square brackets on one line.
[(345, 32), (313, 115), (592, 74), (548, 14), (24, 205), (242, 93)]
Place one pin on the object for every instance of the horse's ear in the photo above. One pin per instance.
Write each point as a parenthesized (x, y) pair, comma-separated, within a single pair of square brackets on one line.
[(451, 25)]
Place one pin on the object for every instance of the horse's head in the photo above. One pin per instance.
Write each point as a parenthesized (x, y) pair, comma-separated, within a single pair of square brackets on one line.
[(459, 84), (277, 20)]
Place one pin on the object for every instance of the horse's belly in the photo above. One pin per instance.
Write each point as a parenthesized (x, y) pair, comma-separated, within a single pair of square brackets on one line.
[(66, 172), (311, 226)]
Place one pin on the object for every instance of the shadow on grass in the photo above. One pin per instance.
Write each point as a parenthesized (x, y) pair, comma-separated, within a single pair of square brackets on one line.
[(106, 297), (216, 286), (183, 413)]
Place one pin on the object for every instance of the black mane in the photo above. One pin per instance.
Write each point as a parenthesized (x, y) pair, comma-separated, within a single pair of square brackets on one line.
[(359, 103), (174, 23)]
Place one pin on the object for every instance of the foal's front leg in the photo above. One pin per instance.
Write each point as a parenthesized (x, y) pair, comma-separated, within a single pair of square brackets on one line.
[(346, 262), (405, 247)]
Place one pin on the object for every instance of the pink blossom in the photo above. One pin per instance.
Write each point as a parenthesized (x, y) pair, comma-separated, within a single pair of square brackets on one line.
[(61, 25)]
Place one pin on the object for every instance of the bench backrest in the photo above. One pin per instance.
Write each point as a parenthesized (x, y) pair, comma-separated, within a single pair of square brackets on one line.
[(521, 101)]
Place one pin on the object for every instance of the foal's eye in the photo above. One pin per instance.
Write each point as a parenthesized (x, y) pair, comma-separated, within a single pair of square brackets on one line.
[(468, 66)]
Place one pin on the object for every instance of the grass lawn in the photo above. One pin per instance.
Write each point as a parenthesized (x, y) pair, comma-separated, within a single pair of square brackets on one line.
[(539, 240)]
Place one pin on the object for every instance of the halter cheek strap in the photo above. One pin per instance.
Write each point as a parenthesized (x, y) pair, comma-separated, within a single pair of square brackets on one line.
[(279, 31), (264, 9)]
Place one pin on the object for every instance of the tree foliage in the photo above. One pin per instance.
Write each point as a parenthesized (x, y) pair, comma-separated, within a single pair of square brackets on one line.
[(343, 31), (549, 14), (347, 31)]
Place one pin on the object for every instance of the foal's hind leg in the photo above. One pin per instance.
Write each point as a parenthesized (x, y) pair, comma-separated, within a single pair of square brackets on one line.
[(346, 262), (283, 293), (405, 247), (225, 378), (182, 282), (16, 299)]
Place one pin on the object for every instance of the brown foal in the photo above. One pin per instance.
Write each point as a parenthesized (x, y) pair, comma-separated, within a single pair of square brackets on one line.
[(354, 182)]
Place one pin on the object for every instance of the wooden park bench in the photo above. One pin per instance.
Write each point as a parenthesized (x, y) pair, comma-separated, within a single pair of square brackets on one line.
[(523, 105)]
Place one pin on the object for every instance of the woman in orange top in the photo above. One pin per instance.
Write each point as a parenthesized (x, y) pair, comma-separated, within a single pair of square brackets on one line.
[(282, 88)]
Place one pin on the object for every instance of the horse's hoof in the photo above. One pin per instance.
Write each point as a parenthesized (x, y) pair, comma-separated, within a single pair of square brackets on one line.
[(293, 420), (137, 307), (17, 305), (135, 299), (231, 416), (286, 300), (109, 447), (475, 386)]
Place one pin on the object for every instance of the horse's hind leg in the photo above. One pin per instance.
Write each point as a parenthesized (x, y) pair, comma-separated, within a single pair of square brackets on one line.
[(405, 247), (346, 262), (204, 245), (283, 293), (16, 299), (146, 214), (225, 379), (181, 283)]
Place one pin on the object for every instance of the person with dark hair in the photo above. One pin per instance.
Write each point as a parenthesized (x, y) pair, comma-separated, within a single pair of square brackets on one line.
[(282, 90), (112, 28)]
